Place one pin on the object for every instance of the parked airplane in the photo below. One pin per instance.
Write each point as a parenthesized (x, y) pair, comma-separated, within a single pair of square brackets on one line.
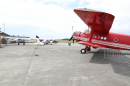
[(45, 41), (21, 40), (38, 42), (17, 40), (54, 41), (99, 36)]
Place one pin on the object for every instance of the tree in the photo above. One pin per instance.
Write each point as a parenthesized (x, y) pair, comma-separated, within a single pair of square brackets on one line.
[(3, 41)]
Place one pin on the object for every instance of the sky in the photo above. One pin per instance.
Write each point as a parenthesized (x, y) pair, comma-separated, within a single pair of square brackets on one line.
[(55, 18)]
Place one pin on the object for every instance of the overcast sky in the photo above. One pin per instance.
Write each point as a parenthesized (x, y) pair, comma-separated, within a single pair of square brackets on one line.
[(54, 18)]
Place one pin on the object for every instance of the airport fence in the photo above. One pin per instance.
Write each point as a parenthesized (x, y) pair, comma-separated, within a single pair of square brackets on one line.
[(117, 55)]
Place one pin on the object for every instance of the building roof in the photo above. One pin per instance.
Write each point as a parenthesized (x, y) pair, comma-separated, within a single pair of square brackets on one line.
[(5, 34)]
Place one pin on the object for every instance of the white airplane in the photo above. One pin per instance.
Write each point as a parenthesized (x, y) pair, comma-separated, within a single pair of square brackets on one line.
[(43, 41), (47, 41), (38, 42), (21, 40)]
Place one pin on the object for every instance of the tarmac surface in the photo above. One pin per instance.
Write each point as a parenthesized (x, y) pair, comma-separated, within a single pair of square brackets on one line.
[(59, 65)]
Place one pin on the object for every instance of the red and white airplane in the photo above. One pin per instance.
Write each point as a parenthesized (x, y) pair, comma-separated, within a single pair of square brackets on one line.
[(99, 36)]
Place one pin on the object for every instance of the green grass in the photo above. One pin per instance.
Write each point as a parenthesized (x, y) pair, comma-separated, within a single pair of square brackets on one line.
[(33, 40), (36, 55), (66, 41)]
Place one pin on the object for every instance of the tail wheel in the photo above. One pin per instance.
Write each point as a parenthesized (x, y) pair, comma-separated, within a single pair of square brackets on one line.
[(83, 51)]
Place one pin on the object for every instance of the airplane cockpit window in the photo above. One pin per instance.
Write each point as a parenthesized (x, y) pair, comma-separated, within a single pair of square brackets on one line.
[(86, 32), (105, 38), (115, 39), (77, 32), (97, 37), (101, 37), (94, 36)]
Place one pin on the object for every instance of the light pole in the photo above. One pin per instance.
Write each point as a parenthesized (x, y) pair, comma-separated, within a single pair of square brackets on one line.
[(0, 37)]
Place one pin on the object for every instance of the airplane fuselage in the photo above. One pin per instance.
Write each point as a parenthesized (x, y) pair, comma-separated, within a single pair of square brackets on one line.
[(110, 40)]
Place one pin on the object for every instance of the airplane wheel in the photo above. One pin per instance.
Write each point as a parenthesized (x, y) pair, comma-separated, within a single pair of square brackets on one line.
[(83, 51)]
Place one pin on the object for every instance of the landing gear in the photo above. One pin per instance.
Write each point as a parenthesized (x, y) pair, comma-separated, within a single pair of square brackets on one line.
[(88, 48), (83, 51)]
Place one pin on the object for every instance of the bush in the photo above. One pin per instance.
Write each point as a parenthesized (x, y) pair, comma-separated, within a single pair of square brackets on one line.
[(3, 41)]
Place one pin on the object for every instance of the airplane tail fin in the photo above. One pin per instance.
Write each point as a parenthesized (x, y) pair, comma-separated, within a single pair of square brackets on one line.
[(37, 36)]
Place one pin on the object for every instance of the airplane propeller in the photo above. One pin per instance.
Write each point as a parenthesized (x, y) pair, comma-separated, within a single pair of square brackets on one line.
[(71, 39), (71, 36)]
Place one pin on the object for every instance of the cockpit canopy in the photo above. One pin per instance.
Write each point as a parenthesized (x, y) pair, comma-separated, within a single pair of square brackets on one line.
[(86, 32), (77, 32)]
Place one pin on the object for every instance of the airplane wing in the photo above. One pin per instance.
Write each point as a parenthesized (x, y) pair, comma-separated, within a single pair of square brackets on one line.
[(89, 44), (97, 20)]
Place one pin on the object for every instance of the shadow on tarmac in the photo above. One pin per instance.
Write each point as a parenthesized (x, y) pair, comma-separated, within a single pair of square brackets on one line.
[(118, 67)]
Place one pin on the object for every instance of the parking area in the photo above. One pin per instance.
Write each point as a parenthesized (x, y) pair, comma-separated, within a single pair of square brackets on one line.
[(59, 65)]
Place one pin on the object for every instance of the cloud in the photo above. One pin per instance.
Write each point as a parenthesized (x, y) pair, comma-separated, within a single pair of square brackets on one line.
[(56, 17), (61, 2), (37, 14)]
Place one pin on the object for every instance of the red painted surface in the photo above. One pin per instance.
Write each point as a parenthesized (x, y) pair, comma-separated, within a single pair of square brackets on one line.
[(99, 21), (100, 24)]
